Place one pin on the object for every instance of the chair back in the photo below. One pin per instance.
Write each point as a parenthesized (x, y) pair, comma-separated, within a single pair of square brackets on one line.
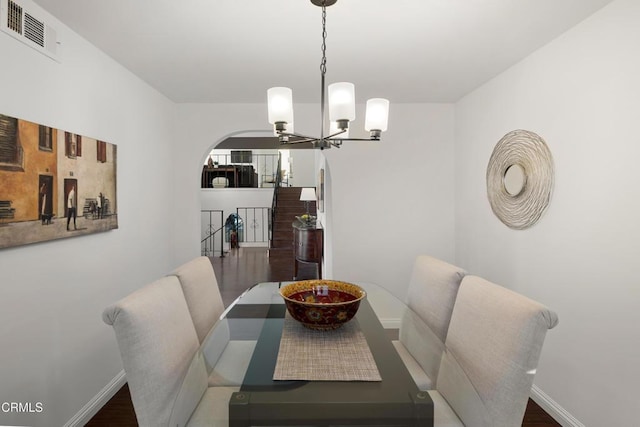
[(157, 342), (495, 338), (200, 288), (432, 293), (219, 182)]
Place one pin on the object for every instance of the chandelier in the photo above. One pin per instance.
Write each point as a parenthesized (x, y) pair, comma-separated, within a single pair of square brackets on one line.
[(342, 107)]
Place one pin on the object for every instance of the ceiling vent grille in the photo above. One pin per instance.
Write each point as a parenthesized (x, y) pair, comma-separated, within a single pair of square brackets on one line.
[(30, 30)]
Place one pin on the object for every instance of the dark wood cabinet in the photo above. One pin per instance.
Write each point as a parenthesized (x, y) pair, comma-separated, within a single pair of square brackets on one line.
[(308, 244)]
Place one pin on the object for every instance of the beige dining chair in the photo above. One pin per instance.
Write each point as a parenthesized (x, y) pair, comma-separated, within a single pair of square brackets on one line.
[(493, 346), (219, 182), (200, 288), (157, 342), (432, 293)]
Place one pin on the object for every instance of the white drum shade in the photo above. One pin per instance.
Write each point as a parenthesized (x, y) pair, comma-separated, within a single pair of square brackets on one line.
[(342, 101), (280, 105), (377, 115)]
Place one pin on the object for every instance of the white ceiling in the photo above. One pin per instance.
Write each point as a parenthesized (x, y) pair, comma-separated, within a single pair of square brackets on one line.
[(234, 50)]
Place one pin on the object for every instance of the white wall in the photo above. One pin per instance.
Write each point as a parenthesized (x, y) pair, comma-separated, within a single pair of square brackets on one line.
[(393, 200), (55, 347), (304, 172), (580, 93)]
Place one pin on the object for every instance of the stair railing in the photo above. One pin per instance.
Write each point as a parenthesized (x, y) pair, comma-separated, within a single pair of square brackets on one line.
[(274, 201), (207, 245)]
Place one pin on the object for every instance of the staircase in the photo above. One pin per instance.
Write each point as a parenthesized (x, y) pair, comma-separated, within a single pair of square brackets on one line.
[(288, 206)]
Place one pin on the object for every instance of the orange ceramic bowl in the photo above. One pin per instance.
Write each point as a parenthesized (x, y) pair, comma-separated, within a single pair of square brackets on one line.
[(322, 304)]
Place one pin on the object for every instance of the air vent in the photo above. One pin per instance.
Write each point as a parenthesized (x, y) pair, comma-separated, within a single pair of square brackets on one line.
[(34, 30), (27, 28), (14, 18)]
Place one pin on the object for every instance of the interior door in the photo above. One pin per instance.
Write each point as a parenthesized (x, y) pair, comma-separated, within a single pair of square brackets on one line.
[(45, 196)]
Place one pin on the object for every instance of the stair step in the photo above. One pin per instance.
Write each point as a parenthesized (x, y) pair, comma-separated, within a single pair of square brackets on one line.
[(286, 250), (290, 202), (283, 218), (300, 210), (285, 253), (290, 212), (275, 244), (287, 218), (284, 223), (280, 211), (282, 235), (293, 211), (289, 193)]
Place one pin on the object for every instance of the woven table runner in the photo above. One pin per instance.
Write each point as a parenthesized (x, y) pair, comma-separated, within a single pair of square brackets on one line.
[(336, 355)]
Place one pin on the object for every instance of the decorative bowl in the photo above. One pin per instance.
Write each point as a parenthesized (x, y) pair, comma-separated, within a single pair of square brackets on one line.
[(322, 304)]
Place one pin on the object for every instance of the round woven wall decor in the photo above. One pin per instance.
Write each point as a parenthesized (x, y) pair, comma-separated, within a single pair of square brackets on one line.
[(528, 151)]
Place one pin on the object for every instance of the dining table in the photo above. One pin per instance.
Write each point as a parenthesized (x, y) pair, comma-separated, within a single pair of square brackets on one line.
[(288, 375)]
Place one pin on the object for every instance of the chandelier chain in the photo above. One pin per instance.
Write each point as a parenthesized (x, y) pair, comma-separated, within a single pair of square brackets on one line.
[(323, 63)]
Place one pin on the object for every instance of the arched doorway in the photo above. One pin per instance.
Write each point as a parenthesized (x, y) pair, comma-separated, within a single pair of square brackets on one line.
[(239, 178)]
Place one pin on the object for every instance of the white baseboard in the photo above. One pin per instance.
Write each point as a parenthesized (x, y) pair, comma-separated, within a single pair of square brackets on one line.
[(97, 402), (554, 409), (253, 244)]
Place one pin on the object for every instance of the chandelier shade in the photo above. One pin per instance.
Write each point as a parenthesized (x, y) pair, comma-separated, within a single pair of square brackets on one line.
[(341, 103), (377, 116), (280, 104)]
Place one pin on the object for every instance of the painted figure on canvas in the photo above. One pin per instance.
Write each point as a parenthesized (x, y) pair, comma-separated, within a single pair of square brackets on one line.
[(71, 208)]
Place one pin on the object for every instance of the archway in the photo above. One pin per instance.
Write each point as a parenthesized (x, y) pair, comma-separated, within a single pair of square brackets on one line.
[(238, 179)]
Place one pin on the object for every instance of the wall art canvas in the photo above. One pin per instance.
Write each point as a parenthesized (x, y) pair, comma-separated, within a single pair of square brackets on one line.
[(53, 183)]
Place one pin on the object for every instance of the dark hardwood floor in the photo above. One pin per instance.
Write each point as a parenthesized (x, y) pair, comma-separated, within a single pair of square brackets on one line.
[(235, 272)]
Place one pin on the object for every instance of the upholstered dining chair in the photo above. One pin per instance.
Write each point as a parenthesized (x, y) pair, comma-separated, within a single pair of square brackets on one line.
[(492, 350), (200, 288), (158, 342), (432, 293), (219, 182)]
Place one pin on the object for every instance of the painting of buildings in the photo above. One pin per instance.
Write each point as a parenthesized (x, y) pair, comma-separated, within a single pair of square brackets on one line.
[(53, 184)]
